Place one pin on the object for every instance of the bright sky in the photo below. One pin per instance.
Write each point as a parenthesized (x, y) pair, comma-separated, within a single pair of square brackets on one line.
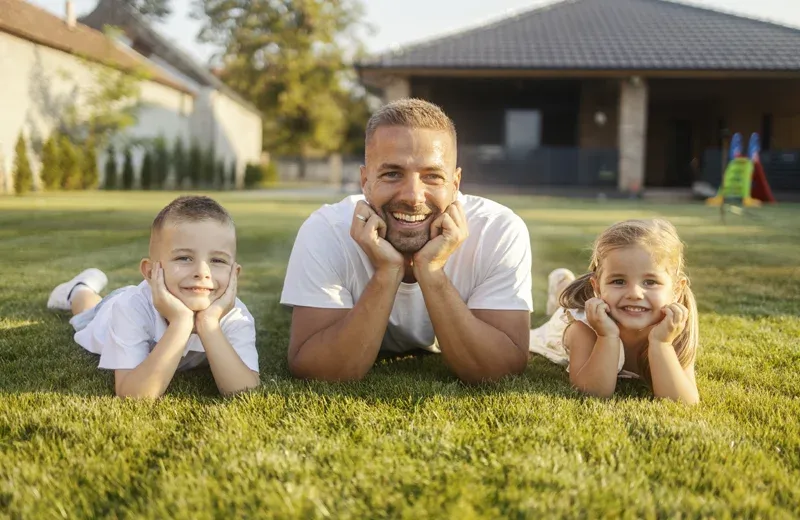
[(397, 23)]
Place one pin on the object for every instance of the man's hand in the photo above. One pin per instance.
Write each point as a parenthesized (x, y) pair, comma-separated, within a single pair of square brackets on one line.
[(448, 232), (369, 232), (164, 301), (222, 305), (597, 313), (670, 327)]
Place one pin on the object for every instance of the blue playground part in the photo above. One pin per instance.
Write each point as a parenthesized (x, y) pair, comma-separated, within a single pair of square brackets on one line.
[(755, 147), (736, 146)]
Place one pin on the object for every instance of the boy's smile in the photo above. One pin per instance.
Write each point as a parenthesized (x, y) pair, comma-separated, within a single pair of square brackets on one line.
[(196, 258)]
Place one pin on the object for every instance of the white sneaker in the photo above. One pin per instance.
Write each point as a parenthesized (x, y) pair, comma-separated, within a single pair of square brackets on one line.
[(94, 279), (557, 281)]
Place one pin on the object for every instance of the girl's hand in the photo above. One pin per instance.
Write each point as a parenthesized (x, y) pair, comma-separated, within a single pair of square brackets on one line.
[(598, 314), (669, 328), (164, 301)]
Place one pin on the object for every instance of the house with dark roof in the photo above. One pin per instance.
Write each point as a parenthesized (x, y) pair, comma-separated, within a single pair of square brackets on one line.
[(221, 119), (618, 93)]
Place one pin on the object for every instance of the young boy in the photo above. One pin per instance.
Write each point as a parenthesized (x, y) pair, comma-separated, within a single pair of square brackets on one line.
[(183, 314)]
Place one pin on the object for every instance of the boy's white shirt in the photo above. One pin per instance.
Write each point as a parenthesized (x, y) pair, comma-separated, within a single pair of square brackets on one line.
[(127, 328), (490, 270)]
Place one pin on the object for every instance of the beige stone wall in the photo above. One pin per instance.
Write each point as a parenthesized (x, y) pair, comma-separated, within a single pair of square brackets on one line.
[(40, 83), (397, 88), (633, 108)]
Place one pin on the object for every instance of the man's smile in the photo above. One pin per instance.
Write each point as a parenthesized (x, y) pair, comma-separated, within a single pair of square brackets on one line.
[(409, 221)]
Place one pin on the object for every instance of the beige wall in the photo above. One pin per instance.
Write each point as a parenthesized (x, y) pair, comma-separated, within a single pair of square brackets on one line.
[(39, 83)]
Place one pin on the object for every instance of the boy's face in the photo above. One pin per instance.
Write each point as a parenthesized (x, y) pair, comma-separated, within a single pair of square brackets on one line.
[(196, 258)]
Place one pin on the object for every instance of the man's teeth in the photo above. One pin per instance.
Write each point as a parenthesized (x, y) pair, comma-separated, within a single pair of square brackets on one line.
[(409, 218)]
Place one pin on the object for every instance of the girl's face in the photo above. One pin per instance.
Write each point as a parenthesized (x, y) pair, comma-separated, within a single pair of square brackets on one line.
[(635, 286)]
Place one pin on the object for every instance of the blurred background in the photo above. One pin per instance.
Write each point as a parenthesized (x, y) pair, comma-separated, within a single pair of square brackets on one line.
[(587, 96)]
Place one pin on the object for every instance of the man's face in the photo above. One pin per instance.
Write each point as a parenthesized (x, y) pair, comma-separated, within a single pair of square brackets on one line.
[(410, 177), (196, 258)]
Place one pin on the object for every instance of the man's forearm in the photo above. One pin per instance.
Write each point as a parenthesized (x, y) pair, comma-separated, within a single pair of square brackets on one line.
[(152, 376), (475, 350), (347, 349), (230, 373)]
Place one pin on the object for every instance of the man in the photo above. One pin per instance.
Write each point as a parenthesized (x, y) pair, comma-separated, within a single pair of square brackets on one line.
[(412, 264)]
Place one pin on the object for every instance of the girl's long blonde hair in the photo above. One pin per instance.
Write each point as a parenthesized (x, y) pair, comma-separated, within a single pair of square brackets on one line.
[(659, 237)]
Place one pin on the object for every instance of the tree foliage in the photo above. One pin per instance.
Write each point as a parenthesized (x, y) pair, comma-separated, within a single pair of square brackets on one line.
[(23, 175), (71, 164), (290, 59), (127, 171), (51, 162), (110, 169)]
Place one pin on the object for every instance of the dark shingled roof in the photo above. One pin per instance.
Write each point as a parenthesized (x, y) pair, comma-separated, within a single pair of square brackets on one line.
[(609, 35)]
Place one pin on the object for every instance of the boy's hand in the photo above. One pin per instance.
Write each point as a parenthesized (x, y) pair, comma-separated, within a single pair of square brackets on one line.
[(669, 328), (164, 301), (222, 305), (597, 313)]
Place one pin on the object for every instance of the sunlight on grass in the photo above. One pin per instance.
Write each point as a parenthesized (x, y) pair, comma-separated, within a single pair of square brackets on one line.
[(409, 440)]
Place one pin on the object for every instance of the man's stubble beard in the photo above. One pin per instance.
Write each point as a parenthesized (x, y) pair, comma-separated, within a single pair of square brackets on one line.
[(408, 243)]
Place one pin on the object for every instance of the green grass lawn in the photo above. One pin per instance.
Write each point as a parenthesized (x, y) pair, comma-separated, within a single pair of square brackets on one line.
[(410, 440)]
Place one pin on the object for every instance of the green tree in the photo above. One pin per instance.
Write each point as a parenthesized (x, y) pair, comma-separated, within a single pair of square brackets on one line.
[(90, 175), (357, 109), (195, 166), (179, 163), (127, 171), (209, 163), (147, 170), (51, 163), (160, 163), (230, 178), (290, 59), (219, 175), (23, 175), (110, 168), (71, 165)]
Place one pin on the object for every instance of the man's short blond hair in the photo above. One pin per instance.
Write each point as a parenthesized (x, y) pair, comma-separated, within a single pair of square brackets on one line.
[(412, 113)]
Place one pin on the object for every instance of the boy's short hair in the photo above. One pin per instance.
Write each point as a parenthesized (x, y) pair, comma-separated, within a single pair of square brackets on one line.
[(190, 208), (412, 113)]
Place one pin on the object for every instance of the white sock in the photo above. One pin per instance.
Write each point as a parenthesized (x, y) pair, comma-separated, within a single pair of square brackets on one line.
[(78, 288)]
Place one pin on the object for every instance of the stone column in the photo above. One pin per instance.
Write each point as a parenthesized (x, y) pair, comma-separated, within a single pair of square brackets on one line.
[(632, 134), (335, 169), (397, 88)]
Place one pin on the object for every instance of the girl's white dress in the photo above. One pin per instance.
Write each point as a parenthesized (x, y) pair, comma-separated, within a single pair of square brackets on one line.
[(548, 340)]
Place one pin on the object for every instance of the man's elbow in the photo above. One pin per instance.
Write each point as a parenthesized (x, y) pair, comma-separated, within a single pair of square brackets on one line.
[(313, 372)]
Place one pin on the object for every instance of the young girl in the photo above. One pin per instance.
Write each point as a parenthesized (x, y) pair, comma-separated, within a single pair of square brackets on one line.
[(632, 315)]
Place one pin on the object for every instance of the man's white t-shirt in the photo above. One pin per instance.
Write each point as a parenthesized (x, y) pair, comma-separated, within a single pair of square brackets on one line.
[(127, 327), (490, 270)]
